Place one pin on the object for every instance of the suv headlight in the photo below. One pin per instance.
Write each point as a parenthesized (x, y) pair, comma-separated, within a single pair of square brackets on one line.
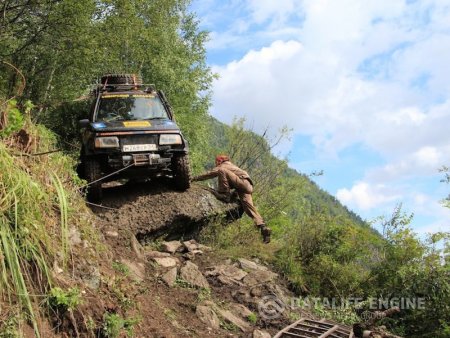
[(165, 139), (107, 142)]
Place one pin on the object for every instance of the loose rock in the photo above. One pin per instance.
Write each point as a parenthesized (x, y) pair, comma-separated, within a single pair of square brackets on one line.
[(227, 274), (207, 316), (191, 245), (112, 234), (231, 318), (137, 270), (261, 334), (74, 236), (137, 247), (166, 262), (156, 254), (170, 277), (250, 266), (240, 310), (171, 247), (191, 274), (259, 277)]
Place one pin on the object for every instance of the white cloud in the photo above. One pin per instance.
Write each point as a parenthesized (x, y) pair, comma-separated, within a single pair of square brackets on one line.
[(365, 197), (358, 72), (344, 73)]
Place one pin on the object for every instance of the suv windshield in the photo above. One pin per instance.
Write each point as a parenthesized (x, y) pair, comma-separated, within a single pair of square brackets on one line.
[(116, 107)]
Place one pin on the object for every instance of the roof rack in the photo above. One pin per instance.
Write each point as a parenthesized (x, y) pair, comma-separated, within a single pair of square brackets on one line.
[(148, 88)]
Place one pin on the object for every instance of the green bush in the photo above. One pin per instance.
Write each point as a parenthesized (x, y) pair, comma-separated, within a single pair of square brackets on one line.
[(64, 300)]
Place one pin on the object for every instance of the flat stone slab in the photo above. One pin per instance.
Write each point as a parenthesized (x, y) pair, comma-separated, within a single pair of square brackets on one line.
[(259, 277), (192, 275), (171, 247), (208, 316), (227, 274), (156, 254), (261, 334), (249, 265), (170, 277), (137, 269), (231, 318), (166, 262)]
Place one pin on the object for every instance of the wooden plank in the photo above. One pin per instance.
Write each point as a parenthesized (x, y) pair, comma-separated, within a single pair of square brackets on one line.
[(314, 334), (307, 328), (290, 334), (312, 327), (330, 331), (279, 334)]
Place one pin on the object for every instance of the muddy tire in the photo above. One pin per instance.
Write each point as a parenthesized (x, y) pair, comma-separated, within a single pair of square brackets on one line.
[(92, 172), (181, 172), (121, 79)]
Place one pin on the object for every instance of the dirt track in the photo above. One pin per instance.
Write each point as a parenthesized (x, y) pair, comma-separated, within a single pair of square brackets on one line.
[(154, 209)]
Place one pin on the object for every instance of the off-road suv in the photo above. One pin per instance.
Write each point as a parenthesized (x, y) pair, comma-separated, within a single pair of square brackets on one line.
[(131, 133)]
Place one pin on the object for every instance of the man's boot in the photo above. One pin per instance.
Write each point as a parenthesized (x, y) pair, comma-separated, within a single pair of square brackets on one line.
[(265, 232)]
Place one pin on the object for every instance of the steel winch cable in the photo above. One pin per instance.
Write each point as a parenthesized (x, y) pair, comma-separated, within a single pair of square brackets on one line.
[(111, 174)]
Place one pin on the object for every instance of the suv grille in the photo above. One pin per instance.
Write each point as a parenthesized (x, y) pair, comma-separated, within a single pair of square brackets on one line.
[(138, 139)]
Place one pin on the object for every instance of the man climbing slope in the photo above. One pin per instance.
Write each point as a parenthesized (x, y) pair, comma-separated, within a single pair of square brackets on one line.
[(232, 177)]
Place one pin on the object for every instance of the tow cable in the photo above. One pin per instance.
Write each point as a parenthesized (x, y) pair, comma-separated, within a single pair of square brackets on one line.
[(111, 174)]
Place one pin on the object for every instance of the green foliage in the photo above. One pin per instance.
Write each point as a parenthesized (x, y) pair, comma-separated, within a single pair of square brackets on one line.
[(252, 318), (327, 251), (32, 238), (411, 268), (122, 268), (204, 294), (114, 325), (62, 300), (446, 171), (11, 119), (70, 43), (9, 327)]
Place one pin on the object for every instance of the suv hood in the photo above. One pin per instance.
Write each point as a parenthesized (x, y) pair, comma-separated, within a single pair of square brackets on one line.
[(134, 125)]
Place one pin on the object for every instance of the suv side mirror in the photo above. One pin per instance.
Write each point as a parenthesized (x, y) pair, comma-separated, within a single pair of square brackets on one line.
[(83, 123)]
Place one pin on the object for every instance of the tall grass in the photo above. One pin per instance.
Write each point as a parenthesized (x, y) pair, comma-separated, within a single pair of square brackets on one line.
[(22, 232), (35, 213)]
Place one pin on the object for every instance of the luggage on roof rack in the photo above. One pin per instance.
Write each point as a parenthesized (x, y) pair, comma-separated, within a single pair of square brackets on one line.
[(116, 79)]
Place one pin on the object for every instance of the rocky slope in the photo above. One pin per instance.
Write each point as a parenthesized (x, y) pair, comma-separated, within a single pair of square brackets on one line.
[(180, 288)]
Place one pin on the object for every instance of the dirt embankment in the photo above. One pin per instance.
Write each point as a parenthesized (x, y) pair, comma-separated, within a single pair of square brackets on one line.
[(152, 209)]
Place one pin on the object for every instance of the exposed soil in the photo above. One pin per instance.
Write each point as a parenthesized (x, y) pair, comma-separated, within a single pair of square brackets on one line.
[(147, 211), (154, 209)]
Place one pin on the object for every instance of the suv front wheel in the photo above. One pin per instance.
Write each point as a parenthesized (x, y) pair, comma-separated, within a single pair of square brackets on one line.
[(92, 173), (181, 172)]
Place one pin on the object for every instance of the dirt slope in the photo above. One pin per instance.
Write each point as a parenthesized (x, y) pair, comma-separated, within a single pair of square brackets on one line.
[(131, 217), (154, 209)]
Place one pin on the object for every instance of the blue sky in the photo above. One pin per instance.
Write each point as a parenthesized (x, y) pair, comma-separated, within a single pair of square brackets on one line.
[(364, 85)]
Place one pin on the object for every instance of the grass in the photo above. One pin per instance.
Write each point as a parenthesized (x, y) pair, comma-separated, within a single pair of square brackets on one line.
[(238, 240), (39, 200), (114, 325)]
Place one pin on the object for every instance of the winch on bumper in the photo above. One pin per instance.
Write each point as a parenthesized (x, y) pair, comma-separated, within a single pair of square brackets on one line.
[(140, 160)]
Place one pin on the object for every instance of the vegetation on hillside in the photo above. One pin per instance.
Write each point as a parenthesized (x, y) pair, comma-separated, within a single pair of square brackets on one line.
[(40, 204), (60, 47), (328, 252)]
